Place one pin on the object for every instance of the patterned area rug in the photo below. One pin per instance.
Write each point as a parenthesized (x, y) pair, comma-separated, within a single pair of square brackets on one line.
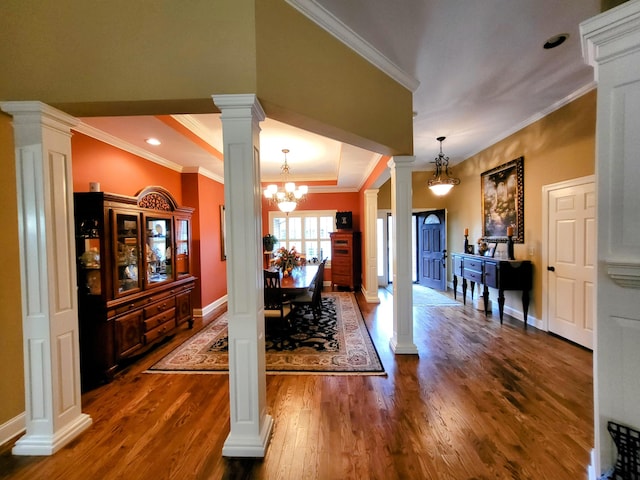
[(336, 343)]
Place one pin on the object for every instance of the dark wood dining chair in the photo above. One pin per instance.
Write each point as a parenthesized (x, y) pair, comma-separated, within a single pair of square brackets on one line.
[(275, 305), (312, 298)]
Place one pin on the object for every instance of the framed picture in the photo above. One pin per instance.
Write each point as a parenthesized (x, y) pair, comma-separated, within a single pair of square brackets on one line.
[(502, 190), (344, 220), (223, 233)]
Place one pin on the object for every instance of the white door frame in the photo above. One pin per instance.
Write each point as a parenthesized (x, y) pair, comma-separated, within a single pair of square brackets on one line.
[(545, 239)]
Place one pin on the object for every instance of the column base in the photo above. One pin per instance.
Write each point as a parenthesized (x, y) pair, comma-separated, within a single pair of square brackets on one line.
[(41, 445), (249, 446), (403, 348)]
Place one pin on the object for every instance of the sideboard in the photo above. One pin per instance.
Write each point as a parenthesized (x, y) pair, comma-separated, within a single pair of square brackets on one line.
[(495, 273)]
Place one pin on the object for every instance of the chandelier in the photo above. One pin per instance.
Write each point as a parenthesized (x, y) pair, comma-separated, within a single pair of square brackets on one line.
[(441, 182), (287, 199)]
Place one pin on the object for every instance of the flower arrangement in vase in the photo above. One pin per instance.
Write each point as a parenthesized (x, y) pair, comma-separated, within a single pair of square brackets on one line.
[(287, 260)]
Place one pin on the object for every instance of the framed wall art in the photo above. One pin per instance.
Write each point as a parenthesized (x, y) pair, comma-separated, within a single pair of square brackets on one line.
[(502, 190)]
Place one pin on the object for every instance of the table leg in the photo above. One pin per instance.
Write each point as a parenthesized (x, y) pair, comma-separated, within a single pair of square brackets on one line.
[(501, 304), (485, 296), (464, 290), (525, 306), (473, 289), (455, 287)]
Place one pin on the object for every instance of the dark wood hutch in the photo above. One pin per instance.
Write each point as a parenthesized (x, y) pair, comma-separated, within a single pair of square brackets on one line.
[(134, 276)]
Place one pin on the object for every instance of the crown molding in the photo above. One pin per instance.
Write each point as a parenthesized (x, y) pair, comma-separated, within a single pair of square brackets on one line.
[(538, 116), (328, 22), (140, 152)]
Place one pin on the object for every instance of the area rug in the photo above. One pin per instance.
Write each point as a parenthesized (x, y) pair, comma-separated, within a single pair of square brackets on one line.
[(337, 342), (427, 296)]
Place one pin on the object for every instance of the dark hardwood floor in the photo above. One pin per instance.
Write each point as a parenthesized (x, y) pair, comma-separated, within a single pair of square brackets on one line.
[(480, 401)]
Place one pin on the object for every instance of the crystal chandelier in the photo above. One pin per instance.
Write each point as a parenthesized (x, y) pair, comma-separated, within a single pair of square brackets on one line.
[(441, 182), (287, 199)]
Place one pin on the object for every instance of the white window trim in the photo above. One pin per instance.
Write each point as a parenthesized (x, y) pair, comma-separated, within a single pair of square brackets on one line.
[(302, 214)]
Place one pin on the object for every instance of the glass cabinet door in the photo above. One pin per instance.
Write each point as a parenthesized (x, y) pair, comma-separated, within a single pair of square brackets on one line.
[(126, 255), (158, 250), (182, 247), (88, 246)]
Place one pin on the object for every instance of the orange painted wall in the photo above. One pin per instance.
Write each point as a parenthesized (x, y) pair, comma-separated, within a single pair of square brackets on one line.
[(126, 174), (116, 170), (342, 202), (206, 260)]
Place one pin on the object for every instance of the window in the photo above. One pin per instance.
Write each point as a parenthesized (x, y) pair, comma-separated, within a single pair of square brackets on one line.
[(307, 230)]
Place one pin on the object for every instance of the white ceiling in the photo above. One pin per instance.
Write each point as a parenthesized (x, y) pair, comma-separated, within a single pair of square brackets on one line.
[(479, 66)]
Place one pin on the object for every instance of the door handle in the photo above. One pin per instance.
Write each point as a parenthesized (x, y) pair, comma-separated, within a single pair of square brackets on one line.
[(551, 269)]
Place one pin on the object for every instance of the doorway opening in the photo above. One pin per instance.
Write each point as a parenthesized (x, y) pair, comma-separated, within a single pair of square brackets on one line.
[(429, 253)]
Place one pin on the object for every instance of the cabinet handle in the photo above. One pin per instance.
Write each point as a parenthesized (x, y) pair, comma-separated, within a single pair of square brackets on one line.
[(551, 269)]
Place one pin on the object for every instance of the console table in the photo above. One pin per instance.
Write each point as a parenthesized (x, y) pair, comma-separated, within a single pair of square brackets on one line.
[(495, 273)]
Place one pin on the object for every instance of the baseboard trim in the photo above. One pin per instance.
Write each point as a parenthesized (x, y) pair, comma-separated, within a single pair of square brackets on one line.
[(12, 428), (203, 312)]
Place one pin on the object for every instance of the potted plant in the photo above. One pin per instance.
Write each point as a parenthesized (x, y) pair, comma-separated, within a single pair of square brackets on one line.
[(268, 242)]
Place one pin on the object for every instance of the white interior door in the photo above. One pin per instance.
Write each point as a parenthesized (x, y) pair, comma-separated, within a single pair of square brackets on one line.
[(571, 260)]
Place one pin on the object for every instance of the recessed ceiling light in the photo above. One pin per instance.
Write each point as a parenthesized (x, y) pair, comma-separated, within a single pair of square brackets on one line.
[(555, 41), (153, 141)]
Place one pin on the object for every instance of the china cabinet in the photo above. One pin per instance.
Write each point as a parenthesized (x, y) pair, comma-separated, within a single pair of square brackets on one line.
[(134, 276)]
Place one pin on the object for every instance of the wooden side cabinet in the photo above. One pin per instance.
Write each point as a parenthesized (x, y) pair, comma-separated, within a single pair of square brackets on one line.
[(500, 274), (345, 260)]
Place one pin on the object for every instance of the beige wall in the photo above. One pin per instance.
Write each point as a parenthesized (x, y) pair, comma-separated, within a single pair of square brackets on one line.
[(307, 78), (11, 371), (559, 147), (301, 74)]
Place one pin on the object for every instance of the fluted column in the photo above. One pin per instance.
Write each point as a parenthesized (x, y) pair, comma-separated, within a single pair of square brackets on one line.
[(47, 277), (402, 340), (250, 425)]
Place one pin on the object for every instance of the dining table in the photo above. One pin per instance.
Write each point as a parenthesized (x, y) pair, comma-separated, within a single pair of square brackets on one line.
[(298, 280)]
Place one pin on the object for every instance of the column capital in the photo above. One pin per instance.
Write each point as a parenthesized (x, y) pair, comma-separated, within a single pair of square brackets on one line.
[(38, 113), (239, 106), (400, 161)]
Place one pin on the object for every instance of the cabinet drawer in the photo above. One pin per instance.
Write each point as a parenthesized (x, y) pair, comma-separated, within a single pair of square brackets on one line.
[(342, 268), (153, 322), (158, 332), (472, 264), (473, 276), (340, 252), (341, 279), (125, 307), (342, 242), (159, 307), (159, 296)]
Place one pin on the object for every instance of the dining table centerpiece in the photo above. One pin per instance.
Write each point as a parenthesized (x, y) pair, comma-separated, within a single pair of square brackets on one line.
[(287, 260)]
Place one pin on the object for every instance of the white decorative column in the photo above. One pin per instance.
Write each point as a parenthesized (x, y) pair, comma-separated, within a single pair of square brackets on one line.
[(611, 44), (370, 246), (401, 193), (250, 425), (47, 278)]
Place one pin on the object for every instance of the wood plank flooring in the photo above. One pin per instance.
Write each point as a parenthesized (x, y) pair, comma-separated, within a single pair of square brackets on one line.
[(480, 401)]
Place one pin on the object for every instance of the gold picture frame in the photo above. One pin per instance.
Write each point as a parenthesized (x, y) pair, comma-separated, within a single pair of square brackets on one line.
[(502, 190)]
